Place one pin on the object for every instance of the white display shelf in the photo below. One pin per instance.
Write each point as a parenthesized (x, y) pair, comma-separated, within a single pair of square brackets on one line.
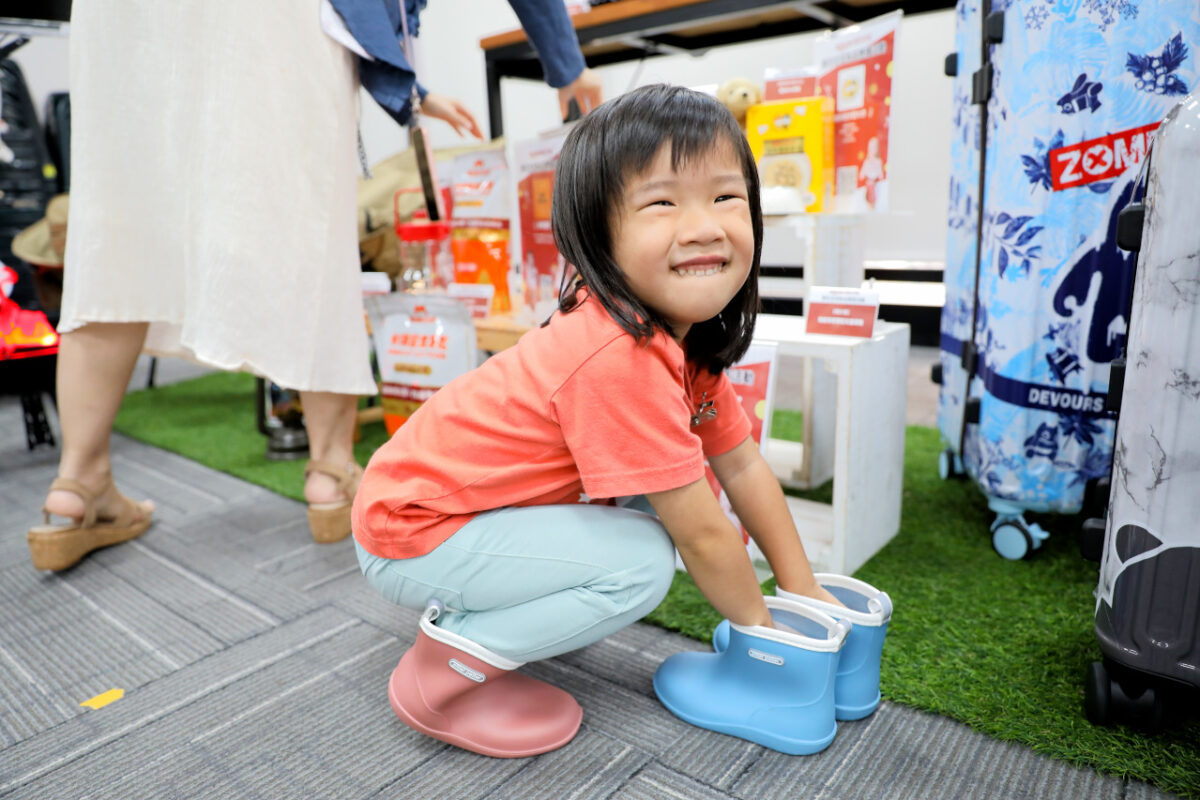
[(912, 294), (867, 435)]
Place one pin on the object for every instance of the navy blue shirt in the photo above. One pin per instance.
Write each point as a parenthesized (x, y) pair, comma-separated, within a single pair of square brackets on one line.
[(376, 25)]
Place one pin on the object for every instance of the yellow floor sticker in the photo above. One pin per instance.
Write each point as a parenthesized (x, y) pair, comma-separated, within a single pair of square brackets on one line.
[(101, 700)]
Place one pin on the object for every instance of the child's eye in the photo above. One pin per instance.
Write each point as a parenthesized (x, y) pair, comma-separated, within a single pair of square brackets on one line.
[(659, 203), (728, 197)]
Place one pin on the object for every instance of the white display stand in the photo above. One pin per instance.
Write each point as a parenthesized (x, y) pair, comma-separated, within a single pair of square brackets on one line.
[(868, 441), (829, 249), (828, 246)]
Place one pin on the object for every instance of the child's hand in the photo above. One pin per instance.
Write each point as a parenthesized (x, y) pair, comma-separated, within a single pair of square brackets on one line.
[(824, 594), (816, 591)]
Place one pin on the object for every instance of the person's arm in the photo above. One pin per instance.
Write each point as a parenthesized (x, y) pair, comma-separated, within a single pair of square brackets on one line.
[(587, 90), (713, 552), (387, 75), (549, 28), (758, 501)]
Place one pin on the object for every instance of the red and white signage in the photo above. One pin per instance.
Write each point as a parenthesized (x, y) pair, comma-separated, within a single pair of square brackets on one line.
[(856, 66), (841, 312), (784, 84), (1099, 159), (753, 380)]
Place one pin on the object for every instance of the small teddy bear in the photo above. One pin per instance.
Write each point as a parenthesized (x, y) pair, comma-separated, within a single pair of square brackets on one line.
[(738, 94)]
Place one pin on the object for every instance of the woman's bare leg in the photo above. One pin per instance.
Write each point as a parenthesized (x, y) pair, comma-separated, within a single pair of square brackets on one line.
[(329, 419), (95, 363)]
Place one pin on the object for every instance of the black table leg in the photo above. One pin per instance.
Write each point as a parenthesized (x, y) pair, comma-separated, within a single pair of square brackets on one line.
[(495, 105)]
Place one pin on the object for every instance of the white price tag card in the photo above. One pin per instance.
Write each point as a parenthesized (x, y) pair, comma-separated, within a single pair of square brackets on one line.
[(841, 311), (476, 296)]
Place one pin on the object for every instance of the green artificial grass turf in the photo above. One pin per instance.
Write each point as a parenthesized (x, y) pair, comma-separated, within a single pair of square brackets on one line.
[(999, 645), (211, 420)]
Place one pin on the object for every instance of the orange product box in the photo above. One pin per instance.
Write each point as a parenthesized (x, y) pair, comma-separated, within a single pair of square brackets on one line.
[(480, 230), (481, 255)]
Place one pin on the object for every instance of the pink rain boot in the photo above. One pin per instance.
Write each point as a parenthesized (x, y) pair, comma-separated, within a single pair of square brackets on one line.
[(454, 690)]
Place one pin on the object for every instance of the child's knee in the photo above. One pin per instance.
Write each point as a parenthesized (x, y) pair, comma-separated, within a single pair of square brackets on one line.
[(402, 582), (653, 575)]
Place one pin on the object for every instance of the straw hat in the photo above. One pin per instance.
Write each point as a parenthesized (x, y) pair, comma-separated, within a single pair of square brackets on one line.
[(42, 244)]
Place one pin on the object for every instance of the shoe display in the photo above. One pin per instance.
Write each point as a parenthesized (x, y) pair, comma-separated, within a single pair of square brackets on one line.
[(868, 610), (456, 691), (772, 686)]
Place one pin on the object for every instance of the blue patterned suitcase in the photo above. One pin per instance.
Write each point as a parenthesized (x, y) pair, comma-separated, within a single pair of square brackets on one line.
[(963, 225), (1064, 101)]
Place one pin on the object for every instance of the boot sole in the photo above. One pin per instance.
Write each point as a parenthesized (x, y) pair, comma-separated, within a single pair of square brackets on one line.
[(848, 714), (450, 738), (57, 548)]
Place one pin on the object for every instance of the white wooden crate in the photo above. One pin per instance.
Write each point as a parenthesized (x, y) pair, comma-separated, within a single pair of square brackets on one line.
[(867, 433)]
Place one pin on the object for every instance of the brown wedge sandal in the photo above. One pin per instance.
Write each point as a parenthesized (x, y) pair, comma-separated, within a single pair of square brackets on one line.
[(330, 522), (57, 547)]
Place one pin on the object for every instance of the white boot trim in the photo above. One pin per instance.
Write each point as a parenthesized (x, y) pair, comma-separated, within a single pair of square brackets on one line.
[(462, 643), (878, 603), (833, 643)]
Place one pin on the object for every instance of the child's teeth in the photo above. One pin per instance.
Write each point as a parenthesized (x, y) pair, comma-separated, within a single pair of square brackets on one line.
[(713, 270)]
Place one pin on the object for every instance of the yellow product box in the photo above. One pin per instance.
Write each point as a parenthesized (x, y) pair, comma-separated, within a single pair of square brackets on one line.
[(792, 141)]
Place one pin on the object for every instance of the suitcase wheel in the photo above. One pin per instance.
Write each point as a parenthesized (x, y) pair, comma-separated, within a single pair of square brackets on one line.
[(1091, 539), (1012, 540), (1012, 536), (1097, 694), (1133, 700), (949, 465)]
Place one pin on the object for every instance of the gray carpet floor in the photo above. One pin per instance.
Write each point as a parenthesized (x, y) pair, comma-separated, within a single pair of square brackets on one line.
[(254, 665)]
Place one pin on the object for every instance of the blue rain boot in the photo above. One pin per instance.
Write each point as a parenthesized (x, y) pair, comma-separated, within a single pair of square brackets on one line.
[(868, 610), (772, 686)]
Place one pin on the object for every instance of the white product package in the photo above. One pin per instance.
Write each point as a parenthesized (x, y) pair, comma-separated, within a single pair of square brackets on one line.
[(422, 342)]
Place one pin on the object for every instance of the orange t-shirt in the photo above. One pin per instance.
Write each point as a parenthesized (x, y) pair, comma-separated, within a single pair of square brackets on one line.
[(577, 411)]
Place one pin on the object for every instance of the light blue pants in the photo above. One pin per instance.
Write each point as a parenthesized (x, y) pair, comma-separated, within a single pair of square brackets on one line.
[(532, 583)]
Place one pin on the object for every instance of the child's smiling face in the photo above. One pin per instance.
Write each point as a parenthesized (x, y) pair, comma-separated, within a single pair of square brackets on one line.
[(684, 240)]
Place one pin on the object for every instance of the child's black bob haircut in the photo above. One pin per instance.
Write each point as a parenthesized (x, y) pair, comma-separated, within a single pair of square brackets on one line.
[(615, 142)]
